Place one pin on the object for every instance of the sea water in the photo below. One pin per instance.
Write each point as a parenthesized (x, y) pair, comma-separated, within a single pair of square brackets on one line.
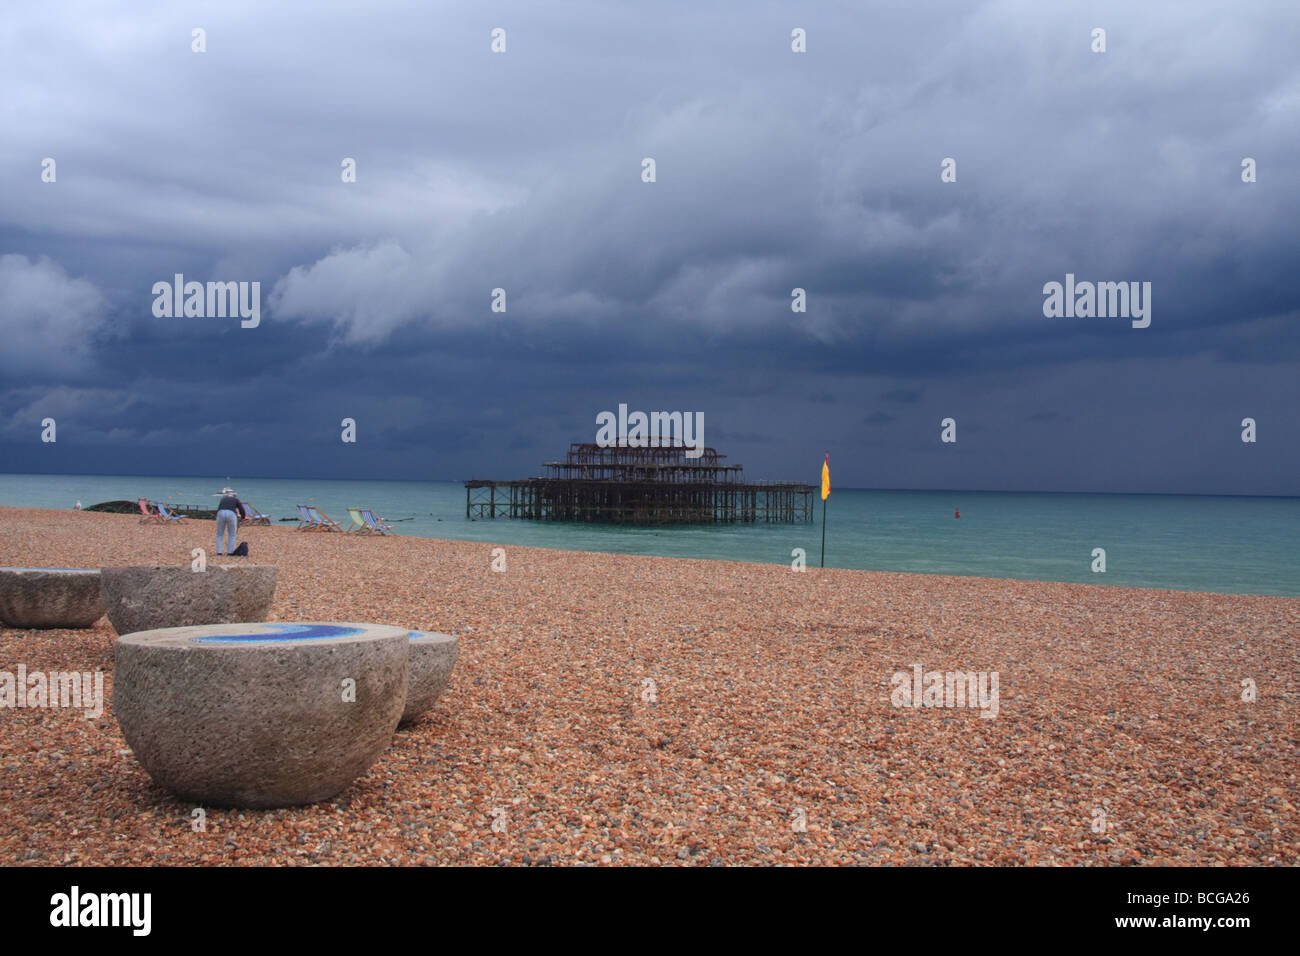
[(1191, 543)]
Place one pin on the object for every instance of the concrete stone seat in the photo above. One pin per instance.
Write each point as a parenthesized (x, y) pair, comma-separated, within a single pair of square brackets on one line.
[(147, 597), (433, 656), (50, 597), (260, 715)]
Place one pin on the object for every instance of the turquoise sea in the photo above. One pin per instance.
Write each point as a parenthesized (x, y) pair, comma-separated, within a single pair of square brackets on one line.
[(1191, 543)]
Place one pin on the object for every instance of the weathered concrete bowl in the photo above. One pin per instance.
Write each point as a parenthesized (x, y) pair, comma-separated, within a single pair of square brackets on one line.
[(153, 596), (50, 597), (432, 658), (260, 715)]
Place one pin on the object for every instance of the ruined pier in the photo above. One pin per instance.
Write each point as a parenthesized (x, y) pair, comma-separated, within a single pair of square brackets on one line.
[(635, 485)]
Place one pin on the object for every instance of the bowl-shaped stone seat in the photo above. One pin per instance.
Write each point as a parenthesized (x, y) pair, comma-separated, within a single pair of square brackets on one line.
[(432, 658), (50, 597), (149, 597), (260, 715)]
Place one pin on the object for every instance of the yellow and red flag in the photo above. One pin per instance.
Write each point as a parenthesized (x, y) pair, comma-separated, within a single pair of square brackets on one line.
[(826, 477)]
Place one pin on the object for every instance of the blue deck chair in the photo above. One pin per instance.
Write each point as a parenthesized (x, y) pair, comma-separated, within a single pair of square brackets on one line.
[(162, 510), (323, 521), (255, 516), (375, 524)]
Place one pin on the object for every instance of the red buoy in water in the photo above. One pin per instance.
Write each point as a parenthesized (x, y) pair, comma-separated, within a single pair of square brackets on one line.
[(958, 514)]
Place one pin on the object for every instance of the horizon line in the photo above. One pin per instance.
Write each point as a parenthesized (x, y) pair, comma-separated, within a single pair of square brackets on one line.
[(461, 481)]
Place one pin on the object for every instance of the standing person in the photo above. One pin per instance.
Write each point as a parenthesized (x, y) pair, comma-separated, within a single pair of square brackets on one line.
[(229, 510)]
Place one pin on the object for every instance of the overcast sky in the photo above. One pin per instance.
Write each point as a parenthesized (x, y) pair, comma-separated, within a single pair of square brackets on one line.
[(522, 170)]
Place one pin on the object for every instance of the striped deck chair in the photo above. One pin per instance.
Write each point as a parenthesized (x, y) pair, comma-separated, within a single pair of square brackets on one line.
[(323, 521), (255, 516), (358, 525), (146, 515), (162, 510), (375, 524), (306, 520)]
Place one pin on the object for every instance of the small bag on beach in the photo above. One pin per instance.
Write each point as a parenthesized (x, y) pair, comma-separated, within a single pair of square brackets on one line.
[(241, 551)]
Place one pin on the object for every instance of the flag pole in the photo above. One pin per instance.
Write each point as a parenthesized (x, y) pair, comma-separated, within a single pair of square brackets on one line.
[(826, 493), (824, 531)]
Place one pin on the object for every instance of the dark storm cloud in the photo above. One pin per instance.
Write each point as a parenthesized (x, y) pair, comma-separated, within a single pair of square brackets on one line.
[(521, 171)]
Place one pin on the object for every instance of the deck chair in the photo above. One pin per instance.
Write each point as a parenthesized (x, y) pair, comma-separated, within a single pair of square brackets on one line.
[(162, 510), (358, 524), (323, 521), (146, 515), (375, 524), (306, 520), (255, 516)]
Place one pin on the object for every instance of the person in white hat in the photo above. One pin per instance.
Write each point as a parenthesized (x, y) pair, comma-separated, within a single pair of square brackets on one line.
[(229, 510)]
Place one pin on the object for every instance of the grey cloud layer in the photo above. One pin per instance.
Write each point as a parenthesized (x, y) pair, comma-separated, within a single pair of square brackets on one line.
[(775, 170)]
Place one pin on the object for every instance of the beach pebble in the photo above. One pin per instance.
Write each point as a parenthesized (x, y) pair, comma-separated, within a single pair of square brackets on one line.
[(610, 709)]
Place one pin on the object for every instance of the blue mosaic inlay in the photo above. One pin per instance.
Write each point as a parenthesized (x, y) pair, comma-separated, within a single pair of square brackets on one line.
[(278, 633)]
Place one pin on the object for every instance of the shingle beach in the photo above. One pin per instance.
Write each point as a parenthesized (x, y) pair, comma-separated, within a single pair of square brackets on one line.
[(612, 709)]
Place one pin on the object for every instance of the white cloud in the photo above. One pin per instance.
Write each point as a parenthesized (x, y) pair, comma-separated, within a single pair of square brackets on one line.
[(47, 317), (365, 292)]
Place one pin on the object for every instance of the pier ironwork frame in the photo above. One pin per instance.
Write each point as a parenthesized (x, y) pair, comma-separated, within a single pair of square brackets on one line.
[(635, 485)]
